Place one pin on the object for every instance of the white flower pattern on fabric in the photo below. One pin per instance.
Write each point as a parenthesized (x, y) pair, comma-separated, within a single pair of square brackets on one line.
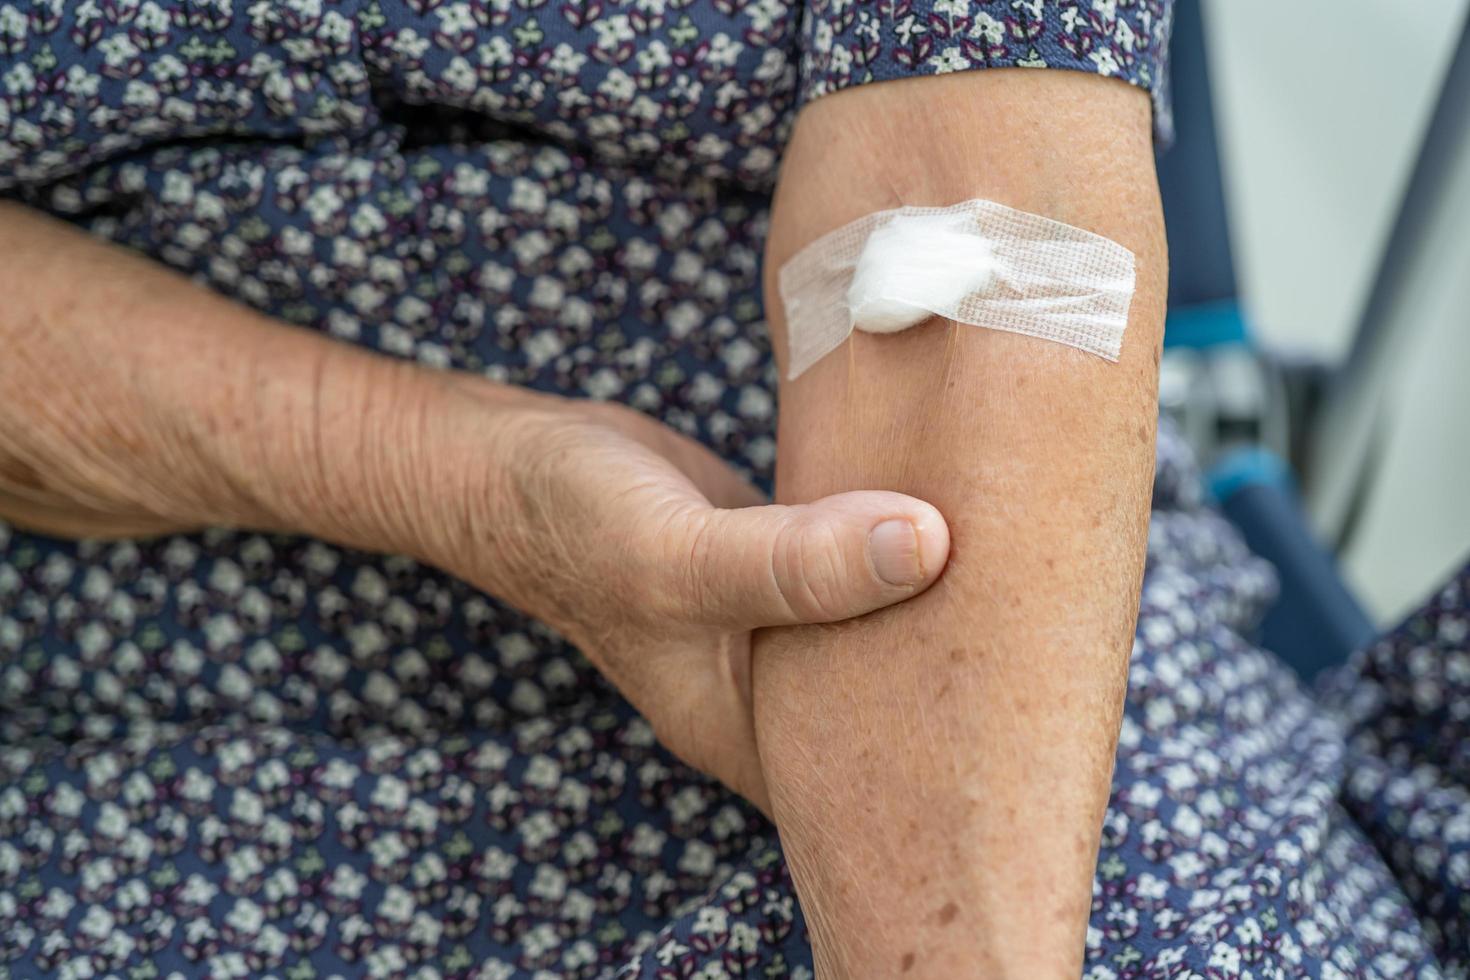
[(246, 755)]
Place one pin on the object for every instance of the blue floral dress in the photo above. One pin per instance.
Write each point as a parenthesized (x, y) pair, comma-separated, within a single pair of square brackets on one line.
[(232, 754)]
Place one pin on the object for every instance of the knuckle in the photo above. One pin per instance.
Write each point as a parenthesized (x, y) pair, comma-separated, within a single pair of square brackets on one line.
[(695, 573), (679, 584), (811, 579)]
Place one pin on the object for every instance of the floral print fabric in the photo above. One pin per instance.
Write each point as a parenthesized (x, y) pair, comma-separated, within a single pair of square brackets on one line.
[(231, 754), (704, 85)]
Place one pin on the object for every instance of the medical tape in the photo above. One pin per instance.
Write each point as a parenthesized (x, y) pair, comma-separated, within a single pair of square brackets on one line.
[(978, 262)]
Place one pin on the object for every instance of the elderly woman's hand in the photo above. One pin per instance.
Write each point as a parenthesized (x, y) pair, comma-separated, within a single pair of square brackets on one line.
[(657, 560), (133, 403)]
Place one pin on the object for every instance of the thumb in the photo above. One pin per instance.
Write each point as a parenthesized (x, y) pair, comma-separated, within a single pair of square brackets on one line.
[(828, 560)]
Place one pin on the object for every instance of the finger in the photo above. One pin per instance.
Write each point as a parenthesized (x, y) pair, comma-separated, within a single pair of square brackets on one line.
[(832, 559)]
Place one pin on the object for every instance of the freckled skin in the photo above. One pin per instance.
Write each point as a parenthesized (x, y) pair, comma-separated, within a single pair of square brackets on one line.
[(134, 402), (957, 753)]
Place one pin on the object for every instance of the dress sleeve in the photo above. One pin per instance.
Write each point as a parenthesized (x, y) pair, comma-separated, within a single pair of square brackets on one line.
[(850, 42)]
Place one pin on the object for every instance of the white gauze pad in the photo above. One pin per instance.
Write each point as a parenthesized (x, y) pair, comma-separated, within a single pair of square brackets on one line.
[(977, 262)]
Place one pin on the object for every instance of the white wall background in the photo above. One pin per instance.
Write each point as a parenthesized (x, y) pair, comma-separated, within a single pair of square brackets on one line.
[(1322, 105), (1414, 529)]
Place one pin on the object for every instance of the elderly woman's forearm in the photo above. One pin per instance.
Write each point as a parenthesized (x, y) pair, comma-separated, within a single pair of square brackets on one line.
[(134, 402), (939, 771)]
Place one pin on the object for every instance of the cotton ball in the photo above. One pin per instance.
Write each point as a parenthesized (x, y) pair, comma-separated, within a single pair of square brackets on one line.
[(929, 256)]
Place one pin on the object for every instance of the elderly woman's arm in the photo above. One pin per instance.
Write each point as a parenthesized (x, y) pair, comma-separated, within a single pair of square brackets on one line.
[(939, 771), (134, 402)]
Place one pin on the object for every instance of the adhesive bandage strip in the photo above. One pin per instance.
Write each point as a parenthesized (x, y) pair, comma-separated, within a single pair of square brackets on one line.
[(977, 262)]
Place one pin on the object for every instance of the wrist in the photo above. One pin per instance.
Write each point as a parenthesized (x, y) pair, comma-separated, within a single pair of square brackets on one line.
[(504, 466), (306, 436)]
